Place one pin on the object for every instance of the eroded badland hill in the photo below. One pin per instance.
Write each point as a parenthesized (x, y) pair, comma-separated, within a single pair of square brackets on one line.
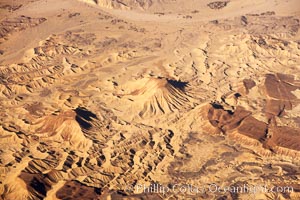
[(100, 97)]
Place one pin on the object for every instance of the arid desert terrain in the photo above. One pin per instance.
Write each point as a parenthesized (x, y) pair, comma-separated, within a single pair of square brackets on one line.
[(106, 99)]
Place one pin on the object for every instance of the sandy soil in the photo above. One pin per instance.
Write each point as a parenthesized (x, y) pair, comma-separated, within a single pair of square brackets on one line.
[(99, 97)]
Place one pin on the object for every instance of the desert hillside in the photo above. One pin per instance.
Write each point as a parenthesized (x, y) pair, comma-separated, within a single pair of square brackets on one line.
[(104, 99)]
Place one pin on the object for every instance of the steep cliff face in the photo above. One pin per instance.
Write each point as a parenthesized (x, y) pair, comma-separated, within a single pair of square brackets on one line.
[(279, 99)]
